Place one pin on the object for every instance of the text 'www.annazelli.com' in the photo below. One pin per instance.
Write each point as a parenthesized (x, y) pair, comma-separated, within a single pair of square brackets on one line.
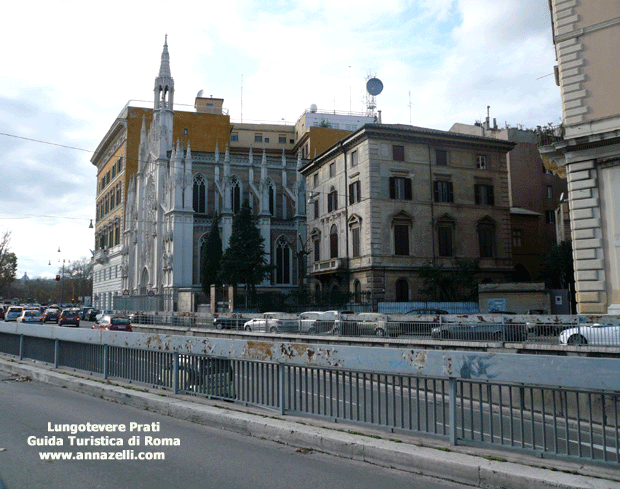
[(119, 455)]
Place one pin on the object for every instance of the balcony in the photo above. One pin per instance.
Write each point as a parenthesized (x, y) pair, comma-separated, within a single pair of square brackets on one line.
[(328, 266), (101, 256)]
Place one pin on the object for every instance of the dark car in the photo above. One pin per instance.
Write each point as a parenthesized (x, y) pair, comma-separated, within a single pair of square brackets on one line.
[(202, 375), (50, 314), (435, 312), (91, 315), (69, 317), (480, 332), (113, 323), (229, 322)]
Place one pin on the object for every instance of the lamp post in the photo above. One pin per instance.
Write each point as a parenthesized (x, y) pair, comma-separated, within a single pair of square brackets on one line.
[(62, 276)]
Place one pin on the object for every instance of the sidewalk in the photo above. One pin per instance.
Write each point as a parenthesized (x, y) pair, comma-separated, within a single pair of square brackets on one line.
[(471, 466)]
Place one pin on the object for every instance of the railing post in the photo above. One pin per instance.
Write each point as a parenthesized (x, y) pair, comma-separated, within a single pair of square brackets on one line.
[(452, 409), (282, 390), (175, 372), (106, 361), (56, 352)]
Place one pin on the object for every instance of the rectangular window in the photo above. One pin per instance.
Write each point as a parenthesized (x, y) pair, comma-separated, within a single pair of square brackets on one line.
[(441, 157), (401, 240), (355, 190), (400, 188), (354, 158), (258, 138), (316, 208), (317, 249), (315, 179), (550, 217), (398, 153), (549, 191), (483, 194), (119, 165), (486, 238), (185, 132), (517, 238), (332, 170), (444, 240), (234, 136), (355, 241), (481, 162), (332, 201), (282, 139), (266, 140), (443, 191)]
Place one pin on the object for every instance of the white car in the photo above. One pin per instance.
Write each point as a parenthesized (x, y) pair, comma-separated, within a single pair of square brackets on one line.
[(592, 334), (315, 322), (30, 316), (13, 313), (272, 322)]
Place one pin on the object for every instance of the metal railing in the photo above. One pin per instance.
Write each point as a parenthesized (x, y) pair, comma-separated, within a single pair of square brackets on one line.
[(467, 398)]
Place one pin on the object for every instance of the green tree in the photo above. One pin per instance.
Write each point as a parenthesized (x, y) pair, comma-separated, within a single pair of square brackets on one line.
[(211, 256), (244, 260), (455, 284), (8, 261), (557, 267)]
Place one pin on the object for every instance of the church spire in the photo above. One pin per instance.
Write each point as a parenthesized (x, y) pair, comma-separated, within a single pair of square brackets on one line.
[(164, 83)]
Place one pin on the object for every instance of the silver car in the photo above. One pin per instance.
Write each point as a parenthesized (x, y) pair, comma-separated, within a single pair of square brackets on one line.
[(592, 334)]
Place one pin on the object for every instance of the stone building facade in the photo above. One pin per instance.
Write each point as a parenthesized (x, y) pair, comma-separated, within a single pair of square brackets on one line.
[(388, 199), (587, 39)]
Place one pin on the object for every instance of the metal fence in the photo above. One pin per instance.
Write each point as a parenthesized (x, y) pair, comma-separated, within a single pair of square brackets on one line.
[(549, 405)]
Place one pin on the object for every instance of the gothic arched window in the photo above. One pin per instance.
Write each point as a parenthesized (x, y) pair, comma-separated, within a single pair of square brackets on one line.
[(200, 194), (283, 261)]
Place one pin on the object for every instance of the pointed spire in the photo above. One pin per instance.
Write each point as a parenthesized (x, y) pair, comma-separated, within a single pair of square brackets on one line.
[(164, 68), (217, 151)]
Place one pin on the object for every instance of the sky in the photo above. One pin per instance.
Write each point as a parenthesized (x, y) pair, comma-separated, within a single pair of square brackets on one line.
[(71, 66)]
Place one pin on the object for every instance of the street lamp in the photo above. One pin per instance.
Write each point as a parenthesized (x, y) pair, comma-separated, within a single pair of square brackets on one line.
[(62, 276)]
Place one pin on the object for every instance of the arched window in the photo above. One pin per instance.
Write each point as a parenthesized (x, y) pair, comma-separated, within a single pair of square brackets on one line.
[(355, 225), (235, 195), (402, 290), (333, 242), (272, 200), (200, 194), (283, 261)]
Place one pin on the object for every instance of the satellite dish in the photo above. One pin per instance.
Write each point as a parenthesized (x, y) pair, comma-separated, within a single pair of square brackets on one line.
[(374, 86), (313, 108), (200, 94)]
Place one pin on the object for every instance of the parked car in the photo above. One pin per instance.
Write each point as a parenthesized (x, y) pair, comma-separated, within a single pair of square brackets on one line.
[(591, 334), (202, 375), (13, 312), (317, 322), (272, 322), (50, 314), (235, 322), (368, 323), (480, 331), (30, 316), (69, 316), (84, 312), (113, 323)]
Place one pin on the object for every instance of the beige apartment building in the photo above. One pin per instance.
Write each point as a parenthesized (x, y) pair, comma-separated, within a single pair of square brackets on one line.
[(388, 199), (587, 41)]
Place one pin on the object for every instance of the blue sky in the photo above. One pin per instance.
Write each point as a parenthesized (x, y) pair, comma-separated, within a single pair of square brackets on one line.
[(72, 66)]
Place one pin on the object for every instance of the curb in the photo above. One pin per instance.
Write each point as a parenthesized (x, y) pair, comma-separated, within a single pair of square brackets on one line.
[(459, 468)]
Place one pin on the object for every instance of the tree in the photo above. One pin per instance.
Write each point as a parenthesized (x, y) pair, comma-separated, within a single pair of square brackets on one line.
[(557, 267), (456, 284), (244, 260), (211, 256), (8, 261)]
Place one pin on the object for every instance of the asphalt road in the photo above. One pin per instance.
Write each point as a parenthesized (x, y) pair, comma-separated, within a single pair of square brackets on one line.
[(204, 457)]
